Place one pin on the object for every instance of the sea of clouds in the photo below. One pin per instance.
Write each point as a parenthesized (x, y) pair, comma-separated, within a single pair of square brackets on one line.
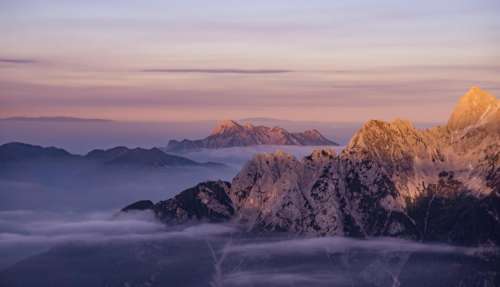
[(236, 258)]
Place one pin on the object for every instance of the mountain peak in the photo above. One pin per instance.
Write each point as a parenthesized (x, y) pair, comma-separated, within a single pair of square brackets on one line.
[(312, 132), (477, 97), (230, 133), (402, 123), (475, 106), (225, 125)]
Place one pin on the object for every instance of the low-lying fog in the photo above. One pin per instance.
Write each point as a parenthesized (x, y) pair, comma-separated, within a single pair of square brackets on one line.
[(79, 186), (237, 156), (59, 224), (105, 249), (47, 202)]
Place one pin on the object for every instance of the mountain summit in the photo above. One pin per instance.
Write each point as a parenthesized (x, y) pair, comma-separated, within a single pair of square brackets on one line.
[(440, 184), (475, 107), (226, 126), (230, 133)]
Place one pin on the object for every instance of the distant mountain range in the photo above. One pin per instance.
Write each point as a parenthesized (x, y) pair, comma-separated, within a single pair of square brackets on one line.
[(232, 134), (439, 184), (118, 156)]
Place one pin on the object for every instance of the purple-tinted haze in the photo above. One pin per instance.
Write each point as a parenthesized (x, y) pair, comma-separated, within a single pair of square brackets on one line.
[(186, 60)]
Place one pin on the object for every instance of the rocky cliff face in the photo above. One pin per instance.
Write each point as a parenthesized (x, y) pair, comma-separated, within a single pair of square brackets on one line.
[(391, 180), (231, 134), (323, 194), (206, 201)]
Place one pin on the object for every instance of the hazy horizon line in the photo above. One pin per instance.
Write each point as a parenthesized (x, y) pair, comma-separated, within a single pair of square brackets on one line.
[(105, 120)]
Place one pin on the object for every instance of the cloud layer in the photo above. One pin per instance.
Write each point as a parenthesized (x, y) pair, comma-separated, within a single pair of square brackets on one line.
[(17, 61), (221, 255), (340, 245), (218, 71), (24, 228)]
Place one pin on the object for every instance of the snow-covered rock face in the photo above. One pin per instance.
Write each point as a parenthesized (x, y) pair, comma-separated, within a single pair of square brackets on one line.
[(371, 187)]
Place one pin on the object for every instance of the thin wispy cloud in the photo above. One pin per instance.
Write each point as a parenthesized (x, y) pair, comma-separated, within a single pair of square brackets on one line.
[(218, 71), (28, 228), (378, 70), (26, 232), (341, 245), (19, 61)]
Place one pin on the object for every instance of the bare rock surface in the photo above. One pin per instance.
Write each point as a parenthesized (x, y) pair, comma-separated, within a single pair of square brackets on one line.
[(229, 133), (391, 180)]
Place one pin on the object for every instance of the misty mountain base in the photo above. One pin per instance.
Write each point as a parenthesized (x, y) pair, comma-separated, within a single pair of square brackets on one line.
[(398, 206), (440, 184)]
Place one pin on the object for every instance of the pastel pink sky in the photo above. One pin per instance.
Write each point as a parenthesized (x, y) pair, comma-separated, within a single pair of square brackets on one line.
[(302, 60)]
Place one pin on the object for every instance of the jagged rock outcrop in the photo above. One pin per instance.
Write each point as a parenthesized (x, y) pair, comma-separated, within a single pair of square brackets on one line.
[(322, 194), (382, 180), (208, 201), (439, 184), (231, 134)]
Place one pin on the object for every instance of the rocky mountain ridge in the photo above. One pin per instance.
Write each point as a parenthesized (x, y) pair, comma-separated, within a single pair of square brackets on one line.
[(392, 179), (117, 156), (205, 201), (232, 134), (16, 151)]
